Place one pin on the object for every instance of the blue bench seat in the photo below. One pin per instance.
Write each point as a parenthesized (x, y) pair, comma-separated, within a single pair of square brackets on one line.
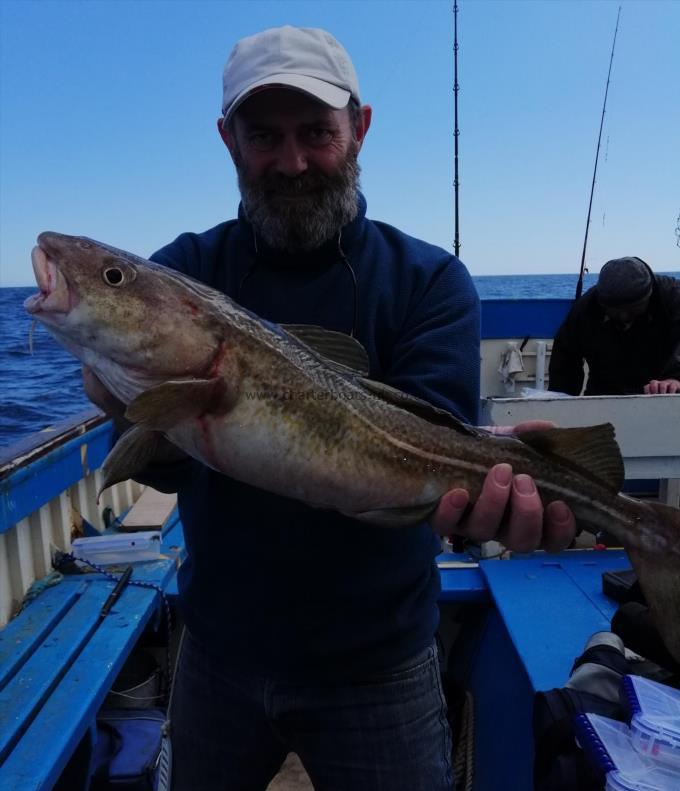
[(58, 660)]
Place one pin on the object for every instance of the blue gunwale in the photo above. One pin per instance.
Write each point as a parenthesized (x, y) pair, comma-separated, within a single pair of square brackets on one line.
[(517, 318), (26, 487)]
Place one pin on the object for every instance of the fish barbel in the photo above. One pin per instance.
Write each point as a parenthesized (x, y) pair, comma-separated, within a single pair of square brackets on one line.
[(290, 409)]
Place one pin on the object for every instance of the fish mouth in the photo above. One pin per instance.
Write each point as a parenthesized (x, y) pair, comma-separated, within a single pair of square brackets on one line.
[(54, 296)]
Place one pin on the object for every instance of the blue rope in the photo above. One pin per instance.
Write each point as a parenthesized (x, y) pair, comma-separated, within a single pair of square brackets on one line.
[(38, 586)]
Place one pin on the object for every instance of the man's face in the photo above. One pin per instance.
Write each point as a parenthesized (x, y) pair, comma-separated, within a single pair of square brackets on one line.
[(297, 167), (624, 315)]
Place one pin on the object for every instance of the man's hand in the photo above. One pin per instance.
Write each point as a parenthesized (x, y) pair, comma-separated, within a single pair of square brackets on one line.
[(528, 526), (660, 386)]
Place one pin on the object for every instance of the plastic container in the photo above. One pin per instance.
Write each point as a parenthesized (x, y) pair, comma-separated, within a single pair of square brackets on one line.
[(118, 548), (138, 685), (655, 719), (608, 745)]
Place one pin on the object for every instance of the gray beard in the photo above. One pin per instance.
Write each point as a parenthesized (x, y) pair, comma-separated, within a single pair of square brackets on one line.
[(325, 204)]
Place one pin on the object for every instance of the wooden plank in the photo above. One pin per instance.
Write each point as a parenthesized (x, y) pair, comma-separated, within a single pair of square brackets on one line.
[(548, 616), (40, 756), (22, 636), (34, 681), (586, 572), (151, 511), (74, 650)]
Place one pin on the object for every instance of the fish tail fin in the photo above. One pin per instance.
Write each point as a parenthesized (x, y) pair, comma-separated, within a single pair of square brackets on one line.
[(656, 559)]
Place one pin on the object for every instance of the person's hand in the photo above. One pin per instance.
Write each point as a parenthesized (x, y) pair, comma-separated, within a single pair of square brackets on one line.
[(660, 386), (528, 525)]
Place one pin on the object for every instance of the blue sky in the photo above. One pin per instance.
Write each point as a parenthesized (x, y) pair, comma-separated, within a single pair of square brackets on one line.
[(108, 123)]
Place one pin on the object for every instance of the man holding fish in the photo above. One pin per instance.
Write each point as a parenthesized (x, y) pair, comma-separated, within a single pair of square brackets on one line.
[(309, 630)]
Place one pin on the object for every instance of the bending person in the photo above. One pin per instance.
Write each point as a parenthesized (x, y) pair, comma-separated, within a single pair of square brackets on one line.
[(627, 329)]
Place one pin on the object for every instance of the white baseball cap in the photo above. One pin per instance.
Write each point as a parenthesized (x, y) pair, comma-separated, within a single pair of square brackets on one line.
[(305, 59)]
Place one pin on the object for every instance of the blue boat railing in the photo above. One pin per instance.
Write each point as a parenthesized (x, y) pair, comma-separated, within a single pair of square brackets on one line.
[(48, 496)]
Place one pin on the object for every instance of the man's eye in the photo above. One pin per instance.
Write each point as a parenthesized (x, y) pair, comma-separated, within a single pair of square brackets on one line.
[(319, 137), (262, 141)]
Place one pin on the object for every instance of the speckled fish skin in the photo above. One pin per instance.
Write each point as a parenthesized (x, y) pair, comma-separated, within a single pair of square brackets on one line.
[(252, 401)]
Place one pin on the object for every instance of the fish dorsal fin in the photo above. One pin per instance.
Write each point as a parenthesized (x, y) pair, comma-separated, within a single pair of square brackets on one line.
[(591, 448), (336, 347), (417, 406)]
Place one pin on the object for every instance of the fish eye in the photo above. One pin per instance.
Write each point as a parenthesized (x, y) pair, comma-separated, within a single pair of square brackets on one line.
[(113, 276)]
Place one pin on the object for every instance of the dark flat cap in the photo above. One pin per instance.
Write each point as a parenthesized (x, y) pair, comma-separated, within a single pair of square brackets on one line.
[(624, 280)]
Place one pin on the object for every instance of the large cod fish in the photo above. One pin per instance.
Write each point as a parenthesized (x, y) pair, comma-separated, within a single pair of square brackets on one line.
[(290, 409)]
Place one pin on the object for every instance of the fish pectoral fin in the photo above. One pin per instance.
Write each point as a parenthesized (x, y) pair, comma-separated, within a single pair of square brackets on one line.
[(397, 517), (419, 407), (130, 455), (336, 347), (165, 405), (590, 448)]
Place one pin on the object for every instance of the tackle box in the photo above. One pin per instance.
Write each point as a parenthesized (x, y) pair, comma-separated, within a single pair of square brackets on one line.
[(608, 744), (118, 548), (654, 719)]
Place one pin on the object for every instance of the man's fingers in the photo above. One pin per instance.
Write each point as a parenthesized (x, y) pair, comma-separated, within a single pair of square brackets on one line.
[(669, 386), (533, 425), (525, 527), (662, 386), (487, 513), (450, 511), (560, 527), (525, 425), (508, 509)]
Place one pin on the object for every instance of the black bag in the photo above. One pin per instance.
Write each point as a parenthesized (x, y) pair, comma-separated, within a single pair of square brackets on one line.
[(131, 753), (594, 687), (559, 763)]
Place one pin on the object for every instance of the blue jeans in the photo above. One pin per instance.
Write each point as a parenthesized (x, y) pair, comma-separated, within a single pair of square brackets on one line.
[(231, 731)]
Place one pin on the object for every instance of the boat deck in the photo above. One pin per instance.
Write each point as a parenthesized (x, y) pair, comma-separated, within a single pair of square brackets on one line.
[(292, 777)]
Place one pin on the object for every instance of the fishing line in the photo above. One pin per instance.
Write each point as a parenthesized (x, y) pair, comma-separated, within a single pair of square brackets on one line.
[(579, 285), (345, 261), (31, 330)]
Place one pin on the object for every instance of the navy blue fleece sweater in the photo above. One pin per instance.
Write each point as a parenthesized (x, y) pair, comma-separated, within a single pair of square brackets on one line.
[(270, 583)]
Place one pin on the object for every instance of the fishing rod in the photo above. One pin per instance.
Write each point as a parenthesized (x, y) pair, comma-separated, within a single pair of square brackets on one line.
[(456, 132), (579, 285)]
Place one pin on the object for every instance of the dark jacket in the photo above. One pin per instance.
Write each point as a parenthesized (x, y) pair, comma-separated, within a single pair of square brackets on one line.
[(272, 584), (620, 362)]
